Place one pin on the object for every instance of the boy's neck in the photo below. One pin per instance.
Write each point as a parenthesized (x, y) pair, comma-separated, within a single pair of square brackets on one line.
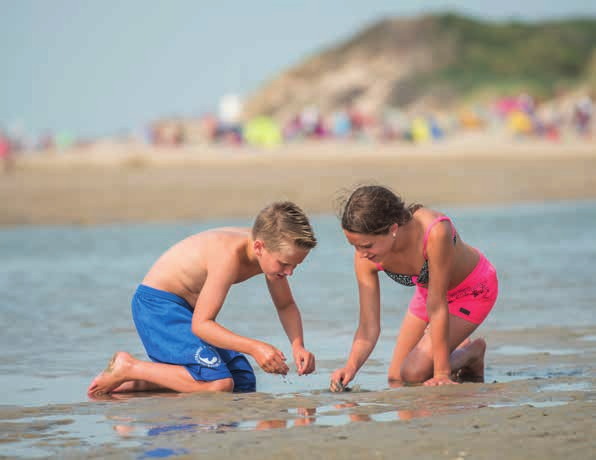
[(250, 253)]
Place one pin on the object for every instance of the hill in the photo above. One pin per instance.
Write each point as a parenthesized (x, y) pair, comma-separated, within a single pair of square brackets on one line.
[(435, 62)]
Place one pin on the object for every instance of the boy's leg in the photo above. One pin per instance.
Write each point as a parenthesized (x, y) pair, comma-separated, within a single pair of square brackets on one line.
[(417, 367), (242, 374), (124, 368)]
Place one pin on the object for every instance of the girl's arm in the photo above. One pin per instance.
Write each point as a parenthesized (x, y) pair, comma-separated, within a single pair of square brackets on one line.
[(369, 324), (291, 320), (440, 253)]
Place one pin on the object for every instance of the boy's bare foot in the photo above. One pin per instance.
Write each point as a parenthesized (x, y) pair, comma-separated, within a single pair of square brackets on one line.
[(473, 370), (113, 376)]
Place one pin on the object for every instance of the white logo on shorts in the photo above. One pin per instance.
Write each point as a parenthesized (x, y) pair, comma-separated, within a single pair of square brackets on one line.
[(207, 356)]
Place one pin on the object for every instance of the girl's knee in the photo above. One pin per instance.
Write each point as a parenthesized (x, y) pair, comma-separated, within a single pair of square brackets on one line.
[(412, 373), (394, 376)]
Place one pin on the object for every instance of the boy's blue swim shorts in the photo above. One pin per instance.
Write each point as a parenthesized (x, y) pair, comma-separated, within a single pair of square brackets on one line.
[(163, 321)]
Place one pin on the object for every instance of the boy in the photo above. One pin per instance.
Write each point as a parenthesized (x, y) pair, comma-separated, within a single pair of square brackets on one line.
[(175, 307)]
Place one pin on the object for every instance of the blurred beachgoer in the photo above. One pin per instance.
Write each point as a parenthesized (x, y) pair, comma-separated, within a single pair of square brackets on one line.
[(46, 142), (5, 153), (341, 125), (582, 116), (456, 287), (309, 119), (293, 129), (175, 309)]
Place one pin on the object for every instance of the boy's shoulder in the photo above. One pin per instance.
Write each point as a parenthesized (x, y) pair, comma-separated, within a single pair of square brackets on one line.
[(226, 250), (222, 240), (225, 234)]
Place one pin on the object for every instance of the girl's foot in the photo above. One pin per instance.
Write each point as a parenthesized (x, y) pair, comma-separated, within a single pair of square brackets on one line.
[(473, 371)]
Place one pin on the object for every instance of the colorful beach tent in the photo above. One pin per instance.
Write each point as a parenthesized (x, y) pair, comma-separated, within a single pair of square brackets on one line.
[(263, 131), (420, 130)]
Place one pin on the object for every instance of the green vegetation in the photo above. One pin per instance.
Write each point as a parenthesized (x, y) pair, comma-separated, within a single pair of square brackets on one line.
[(540, 57)]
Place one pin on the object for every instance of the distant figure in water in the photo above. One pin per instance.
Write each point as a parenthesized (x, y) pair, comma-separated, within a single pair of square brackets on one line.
[(175, 309), (456, 288)]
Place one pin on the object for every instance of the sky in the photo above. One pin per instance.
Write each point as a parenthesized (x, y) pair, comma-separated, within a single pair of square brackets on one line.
[(98, 68)]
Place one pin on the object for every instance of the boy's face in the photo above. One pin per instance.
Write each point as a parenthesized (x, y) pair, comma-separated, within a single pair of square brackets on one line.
[(281, 263)]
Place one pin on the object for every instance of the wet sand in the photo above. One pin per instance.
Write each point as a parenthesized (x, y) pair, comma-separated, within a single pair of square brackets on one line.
[(539, 403), (128, 183)]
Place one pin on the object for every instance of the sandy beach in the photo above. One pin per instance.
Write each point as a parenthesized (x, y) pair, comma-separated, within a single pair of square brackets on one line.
[(135, 183)]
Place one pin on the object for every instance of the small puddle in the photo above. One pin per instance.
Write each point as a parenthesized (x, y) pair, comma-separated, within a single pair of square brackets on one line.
[(589, 338), (576, 386), (521, 350), (35, 436), (538, 404), (163, 452)]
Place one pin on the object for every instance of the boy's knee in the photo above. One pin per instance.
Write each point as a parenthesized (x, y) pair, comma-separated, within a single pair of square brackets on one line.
[(223, 385), (243, 375), (245, 382)]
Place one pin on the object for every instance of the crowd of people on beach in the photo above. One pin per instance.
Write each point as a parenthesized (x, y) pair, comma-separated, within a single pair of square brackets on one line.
[(519, 116)]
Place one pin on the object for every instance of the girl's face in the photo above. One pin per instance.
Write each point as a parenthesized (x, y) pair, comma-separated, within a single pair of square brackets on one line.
[(371, 247), (281, 263)]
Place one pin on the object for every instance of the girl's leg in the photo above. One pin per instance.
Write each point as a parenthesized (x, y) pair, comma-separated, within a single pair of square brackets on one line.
[(417, 366), (411, 331), (124, 369)]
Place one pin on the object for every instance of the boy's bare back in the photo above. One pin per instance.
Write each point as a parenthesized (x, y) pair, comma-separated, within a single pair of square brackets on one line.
[(183, 269)]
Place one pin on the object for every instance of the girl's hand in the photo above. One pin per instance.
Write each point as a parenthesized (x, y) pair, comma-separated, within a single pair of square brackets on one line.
[(439, 379), (305, 361), (270, 359), (340, 378)]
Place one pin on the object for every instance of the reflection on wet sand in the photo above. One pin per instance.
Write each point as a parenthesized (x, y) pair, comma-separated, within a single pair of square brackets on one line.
[(148, 426), (325, 415)]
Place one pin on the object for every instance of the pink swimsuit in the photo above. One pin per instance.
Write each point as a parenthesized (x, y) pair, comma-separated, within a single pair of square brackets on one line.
[(471, 300)]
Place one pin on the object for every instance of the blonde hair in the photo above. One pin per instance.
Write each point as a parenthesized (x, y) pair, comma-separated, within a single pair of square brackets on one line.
[(282, 224)]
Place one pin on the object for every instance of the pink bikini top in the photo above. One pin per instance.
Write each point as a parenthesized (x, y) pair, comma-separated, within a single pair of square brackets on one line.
[(422, 278)]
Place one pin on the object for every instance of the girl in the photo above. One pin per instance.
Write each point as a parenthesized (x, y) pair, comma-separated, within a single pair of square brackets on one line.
[(455, 289)]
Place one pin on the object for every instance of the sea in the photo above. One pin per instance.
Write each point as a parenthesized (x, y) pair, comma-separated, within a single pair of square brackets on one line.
[(66, 291)]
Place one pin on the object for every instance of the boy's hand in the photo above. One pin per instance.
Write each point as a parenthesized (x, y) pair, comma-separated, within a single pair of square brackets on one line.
[(340, 378), (304, 359), (270, 359)]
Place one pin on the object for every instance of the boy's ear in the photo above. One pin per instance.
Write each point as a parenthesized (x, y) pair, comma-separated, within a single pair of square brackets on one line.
[(257, 247)]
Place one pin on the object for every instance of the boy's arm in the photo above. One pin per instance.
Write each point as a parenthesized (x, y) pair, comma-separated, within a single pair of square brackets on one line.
[(369, 324), (210, 301), (291, 320)]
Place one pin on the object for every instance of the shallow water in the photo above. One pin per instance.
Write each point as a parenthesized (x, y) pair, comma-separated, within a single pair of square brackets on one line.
[(65, 310)]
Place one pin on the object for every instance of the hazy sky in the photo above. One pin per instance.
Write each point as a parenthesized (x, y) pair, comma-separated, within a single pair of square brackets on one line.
[(99, 67)]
